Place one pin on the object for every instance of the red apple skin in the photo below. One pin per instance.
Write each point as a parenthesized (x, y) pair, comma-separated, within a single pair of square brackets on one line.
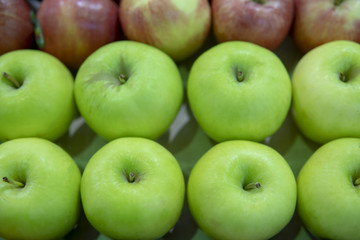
[(16, 27), (266, 24), (321, 21), (161, 24), (73, 29)]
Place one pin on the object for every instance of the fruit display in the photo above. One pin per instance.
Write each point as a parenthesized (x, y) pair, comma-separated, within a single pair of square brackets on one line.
[(143, 120)]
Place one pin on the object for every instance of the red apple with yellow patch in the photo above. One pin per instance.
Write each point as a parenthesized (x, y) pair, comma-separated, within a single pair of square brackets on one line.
[(178, 28), (322, 21), (73, 29), (263, 22)]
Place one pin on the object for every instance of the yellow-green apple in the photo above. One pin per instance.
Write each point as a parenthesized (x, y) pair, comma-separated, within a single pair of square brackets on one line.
[(263, 22), (132, 188), (39, 190), (178, 28), (36, 95), (241, 190), (16, 28), (73, 29), (128, 88), (322, 21), (239, 90), (329, 189), (326, 92)]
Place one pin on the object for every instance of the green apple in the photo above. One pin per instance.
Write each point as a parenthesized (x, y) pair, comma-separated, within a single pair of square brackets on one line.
[(36, 96), (127, 88), (241, 189), (329, 190), (39, 190), (178, 28), (239, 90), (326, 92), (132, 188)]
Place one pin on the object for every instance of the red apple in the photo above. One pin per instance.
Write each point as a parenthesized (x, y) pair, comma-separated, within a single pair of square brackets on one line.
[(73, 29), (16, 27), (263, 22), (321, 21), (177, 27)]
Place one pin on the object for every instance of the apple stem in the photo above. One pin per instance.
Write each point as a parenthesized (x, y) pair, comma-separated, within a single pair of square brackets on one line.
[(122, 78), (252, 185), (16, 183), (343, 77), (240, 76), (11, 79), (338, 2), (131, 177), (357, 182)]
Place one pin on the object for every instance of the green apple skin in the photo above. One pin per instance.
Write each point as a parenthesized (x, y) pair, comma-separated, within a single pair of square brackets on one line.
[(229, 109), (144, 106), (221, 205), (324, 107), (43, 106), (178, 28), (145, 208), (328, 198), (48, 206)]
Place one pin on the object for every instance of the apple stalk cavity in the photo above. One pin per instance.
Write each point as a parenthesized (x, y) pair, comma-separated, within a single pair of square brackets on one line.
[(343, 77), (122, 79), (13, 182), (338, 2), (10, 78), (357, 182)]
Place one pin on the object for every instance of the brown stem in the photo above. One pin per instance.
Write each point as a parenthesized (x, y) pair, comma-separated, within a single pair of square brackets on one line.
[(131, 177), (240, 76), (10, 78), (252, 185), (122, 78), (343, 77), (13, 182)]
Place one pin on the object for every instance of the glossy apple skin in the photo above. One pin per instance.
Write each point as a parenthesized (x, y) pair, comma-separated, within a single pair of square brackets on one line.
[(323, 107), (144, 106), (264, 24), (43, 106), (16, 27), (318, 22), (228, 109), (73, 29), (146, 208), (224, 209), (49, 205), (328, 200), (179, 28)]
